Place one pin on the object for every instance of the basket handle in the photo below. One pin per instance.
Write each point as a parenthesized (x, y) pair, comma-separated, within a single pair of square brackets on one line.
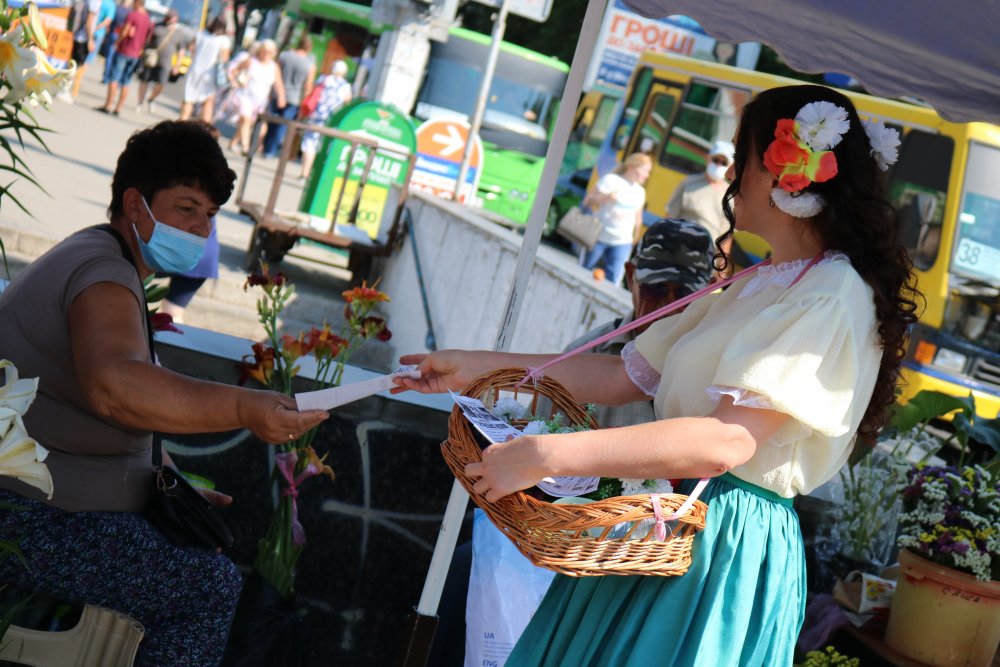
[(660, 527)]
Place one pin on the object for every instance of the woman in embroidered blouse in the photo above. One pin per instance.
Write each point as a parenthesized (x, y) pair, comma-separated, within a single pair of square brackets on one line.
[(780, 373)]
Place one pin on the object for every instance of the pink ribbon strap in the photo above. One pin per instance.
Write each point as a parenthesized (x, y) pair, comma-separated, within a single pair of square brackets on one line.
[(660, 529), (536, 372), (286, 463)]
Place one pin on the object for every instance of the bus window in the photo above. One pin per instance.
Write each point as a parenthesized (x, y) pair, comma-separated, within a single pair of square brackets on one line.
[(707, 114), (640, 88), (977, 246), (602, 121), (654, 125), (583, 123), (917, 188)]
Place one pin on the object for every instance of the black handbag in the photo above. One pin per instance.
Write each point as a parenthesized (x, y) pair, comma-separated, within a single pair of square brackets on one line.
[(178, 511), (175, 507), (580, 228)]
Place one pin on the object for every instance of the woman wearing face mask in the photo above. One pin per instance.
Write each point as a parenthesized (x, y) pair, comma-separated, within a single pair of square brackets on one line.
[(75, 318), (699, 197)]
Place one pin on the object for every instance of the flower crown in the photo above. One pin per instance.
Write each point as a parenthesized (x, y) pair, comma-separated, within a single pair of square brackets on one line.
[(802, 154)]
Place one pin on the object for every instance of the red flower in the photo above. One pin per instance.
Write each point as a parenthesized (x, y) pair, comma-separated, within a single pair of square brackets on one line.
[(375, 326), (264, 279), (365, 293), (293, 348), (827, 167), (259, 365), (324, 342), (793, 182), (163, 322)]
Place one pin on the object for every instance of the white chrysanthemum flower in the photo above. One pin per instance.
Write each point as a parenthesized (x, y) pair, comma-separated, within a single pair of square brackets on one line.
[(884, 141), (822, 125), (537, 427), (805, 205), (507, 408), (633, 487)]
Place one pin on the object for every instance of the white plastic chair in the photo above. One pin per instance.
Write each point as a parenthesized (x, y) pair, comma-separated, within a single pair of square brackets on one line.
[(102, 638)]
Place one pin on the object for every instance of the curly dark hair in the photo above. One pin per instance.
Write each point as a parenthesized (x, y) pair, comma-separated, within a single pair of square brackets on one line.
[(856, 220), (171, 153)]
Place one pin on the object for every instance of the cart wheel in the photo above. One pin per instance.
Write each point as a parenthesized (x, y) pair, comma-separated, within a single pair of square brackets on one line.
[(276, 245), (252, 260), (360, 266)]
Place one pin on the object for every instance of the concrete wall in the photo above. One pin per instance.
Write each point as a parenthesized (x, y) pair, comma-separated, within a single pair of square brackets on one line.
[(468, 265)]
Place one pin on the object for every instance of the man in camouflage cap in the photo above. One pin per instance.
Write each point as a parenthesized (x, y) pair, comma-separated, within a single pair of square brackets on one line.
[(673, 259)]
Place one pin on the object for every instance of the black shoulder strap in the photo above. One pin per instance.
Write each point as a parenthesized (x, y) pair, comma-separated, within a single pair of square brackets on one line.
[(127, 254)]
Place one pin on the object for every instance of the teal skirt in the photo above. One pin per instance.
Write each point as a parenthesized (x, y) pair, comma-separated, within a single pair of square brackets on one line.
[(741, 603)]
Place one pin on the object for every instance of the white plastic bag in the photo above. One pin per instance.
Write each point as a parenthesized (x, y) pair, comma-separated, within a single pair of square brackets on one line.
[(505, 589)]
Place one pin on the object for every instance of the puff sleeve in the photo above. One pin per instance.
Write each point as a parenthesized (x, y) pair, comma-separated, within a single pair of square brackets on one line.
[(815, 359)]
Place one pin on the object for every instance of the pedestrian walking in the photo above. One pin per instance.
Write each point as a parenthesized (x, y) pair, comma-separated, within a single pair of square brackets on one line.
[(209, 52), (161, 59), (298, 74), (125, 60), (336, 92)]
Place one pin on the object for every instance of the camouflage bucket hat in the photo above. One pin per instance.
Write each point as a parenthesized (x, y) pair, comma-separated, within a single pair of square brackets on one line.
[(674, 250)]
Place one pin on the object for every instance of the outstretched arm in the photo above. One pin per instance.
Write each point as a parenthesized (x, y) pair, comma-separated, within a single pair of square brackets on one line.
[(110, 356)]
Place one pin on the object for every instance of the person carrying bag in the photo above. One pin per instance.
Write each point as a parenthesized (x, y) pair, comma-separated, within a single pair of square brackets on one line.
[(580, 228)]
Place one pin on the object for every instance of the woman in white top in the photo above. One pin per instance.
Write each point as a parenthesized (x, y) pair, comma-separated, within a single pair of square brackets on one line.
[(764, 387), (252, 80), (211, 47), (618, 201)]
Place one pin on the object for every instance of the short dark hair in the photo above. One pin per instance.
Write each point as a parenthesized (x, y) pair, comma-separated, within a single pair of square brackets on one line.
[(217, 26), (305, 43), (171, 153)]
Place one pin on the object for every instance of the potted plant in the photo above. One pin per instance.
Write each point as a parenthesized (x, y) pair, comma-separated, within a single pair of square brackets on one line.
[(946, 609)]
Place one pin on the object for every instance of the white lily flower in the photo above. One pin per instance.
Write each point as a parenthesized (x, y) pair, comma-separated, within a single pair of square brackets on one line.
[(16, 395), (35, 29), (23, 458), (14, 58), (40, 81)]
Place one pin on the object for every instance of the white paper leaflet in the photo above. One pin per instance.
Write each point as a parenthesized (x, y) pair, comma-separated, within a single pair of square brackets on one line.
[(497, 430), (327, 399)]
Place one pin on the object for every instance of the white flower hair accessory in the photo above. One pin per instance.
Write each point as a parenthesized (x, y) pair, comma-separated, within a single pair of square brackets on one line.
[(801, 154), (822, 125), (798, 204), (884, 142)]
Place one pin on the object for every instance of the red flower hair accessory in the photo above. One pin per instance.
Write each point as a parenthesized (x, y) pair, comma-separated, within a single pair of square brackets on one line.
[(801, 155)]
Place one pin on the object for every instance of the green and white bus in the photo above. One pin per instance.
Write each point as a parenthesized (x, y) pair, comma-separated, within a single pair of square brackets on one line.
[(520, 111)]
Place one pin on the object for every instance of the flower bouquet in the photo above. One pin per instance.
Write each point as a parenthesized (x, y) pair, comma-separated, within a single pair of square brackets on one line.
[(951, 516), (274, 363), (944, 611), (266, 627)]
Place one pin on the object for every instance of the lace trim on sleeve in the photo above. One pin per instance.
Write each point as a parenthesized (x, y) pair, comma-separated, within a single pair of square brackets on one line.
[(643, 375), (744, 397), (791, 431)]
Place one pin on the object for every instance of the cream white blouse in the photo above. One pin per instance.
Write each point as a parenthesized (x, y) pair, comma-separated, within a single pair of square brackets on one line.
[(809, 350)]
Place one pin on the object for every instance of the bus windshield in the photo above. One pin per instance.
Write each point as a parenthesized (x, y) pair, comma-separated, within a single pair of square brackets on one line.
[(977, 244), (522, 99)]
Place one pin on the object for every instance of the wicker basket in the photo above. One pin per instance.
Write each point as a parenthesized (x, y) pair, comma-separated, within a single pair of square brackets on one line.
[(562, 537)]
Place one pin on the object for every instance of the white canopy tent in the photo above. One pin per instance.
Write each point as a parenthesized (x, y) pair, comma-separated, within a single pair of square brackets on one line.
[(944, 53)]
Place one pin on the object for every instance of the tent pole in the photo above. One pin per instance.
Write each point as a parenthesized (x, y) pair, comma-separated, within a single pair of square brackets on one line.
[(415, 654)]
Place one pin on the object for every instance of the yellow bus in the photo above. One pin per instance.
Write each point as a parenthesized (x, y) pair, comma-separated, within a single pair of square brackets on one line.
[(945, 186)]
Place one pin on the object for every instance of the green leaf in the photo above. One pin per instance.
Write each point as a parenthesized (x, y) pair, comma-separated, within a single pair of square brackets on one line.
[(987, 431), (156, 293), (199, 481), (928, 405)]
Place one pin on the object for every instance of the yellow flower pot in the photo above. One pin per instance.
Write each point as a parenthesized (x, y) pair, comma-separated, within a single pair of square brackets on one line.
[(940, 616)]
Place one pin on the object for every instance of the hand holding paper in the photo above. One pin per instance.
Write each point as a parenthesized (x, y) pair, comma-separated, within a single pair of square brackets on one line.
[(327, 399)]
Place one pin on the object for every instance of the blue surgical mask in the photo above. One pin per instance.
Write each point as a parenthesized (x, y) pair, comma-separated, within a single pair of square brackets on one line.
[(169, 250)]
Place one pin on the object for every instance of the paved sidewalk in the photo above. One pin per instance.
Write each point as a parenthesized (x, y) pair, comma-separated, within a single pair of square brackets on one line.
[(84, 146)]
